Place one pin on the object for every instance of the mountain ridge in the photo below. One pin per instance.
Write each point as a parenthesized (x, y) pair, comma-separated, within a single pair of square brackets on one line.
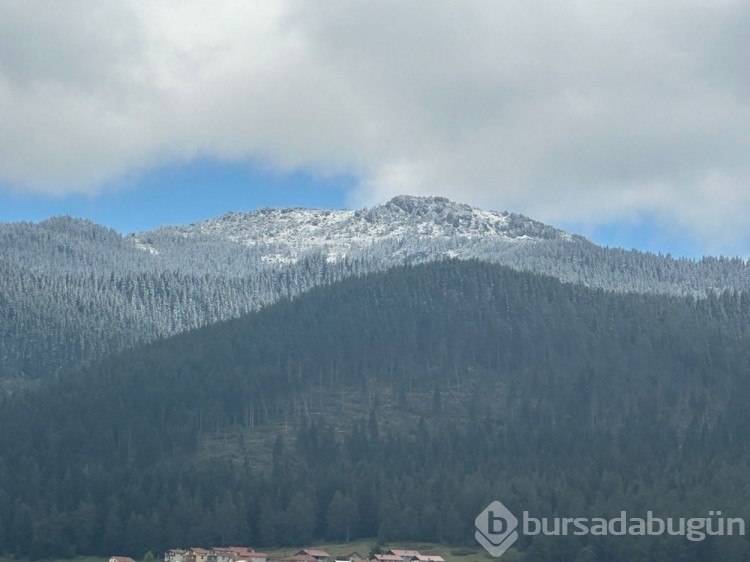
[(72, 291), (339, 233)]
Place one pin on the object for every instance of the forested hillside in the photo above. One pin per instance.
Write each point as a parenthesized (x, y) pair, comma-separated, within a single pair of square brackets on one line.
[(72, 291), (396, 405)]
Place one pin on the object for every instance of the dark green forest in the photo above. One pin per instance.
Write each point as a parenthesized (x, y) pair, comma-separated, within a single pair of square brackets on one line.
[(395, 406)]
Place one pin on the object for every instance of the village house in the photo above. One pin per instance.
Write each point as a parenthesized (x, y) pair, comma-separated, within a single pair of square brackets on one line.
[(236, 554), (405, 555), (175, 555), (196, 554), (318, 555), (387, 558), (254, 556), (247, 554), (220, 555), (351, 557), (241, 552), (229, 554), (258, 557)]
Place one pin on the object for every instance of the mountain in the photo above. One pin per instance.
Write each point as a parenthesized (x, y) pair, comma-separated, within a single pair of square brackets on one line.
[(395, 405), (72, 291), (410, 229), (287, 234)]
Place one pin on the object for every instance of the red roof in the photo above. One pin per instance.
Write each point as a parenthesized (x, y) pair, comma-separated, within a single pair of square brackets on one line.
[(301, 558), (405, 553), (240, 550), (315, 553)]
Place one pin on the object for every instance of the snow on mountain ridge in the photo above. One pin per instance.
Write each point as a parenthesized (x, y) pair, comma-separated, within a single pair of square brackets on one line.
[(292, 232)]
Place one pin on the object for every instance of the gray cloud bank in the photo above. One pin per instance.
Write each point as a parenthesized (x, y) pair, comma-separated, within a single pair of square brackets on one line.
[(567, 110)]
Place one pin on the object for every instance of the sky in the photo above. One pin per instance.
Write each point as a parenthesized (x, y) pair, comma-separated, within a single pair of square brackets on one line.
[(627, 122)]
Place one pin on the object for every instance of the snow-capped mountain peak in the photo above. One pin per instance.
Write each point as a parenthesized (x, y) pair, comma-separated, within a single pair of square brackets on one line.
[(289, 233)]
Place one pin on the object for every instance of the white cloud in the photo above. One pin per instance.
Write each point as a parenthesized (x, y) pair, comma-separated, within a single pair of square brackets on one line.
[(569, 110)]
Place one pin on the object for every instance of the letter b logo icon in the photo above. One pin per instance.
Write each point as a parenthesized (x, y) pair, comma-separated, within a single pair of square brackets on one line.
[(496, 529), (496, 525)]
